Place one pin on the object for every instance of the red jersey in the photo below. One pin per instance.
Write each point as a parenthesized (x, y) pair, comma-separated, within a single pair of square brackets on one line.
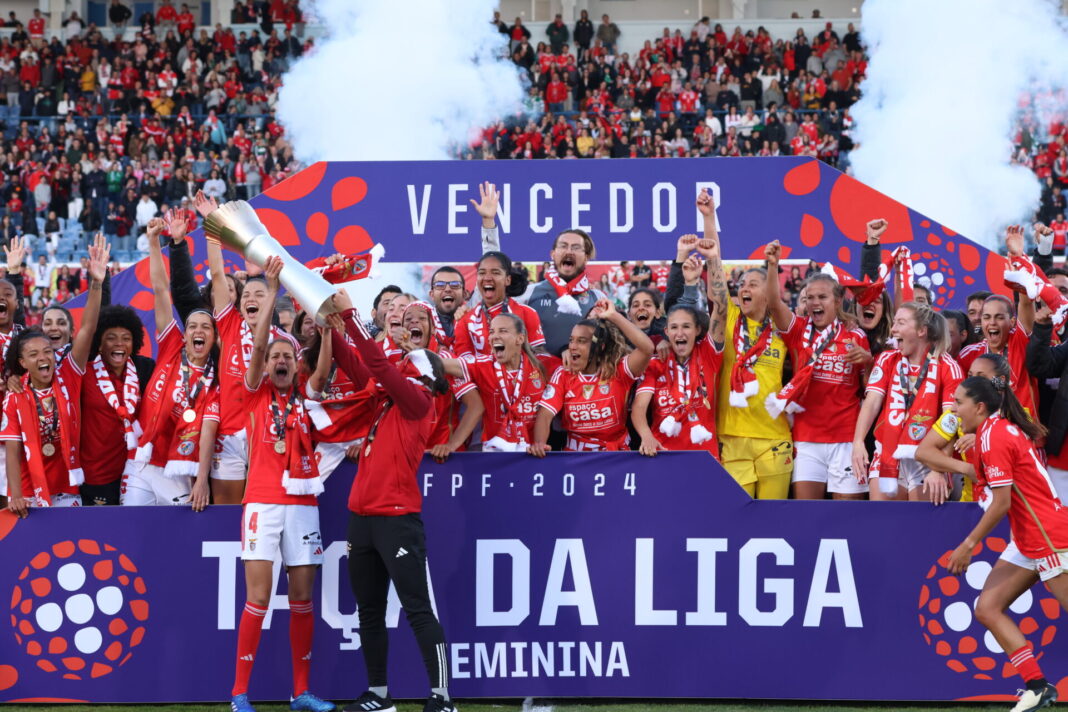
[(510, 397), (688, 101), (832, 401), (56, 470), (1004, 456), (186, 22), (265, 465), (343, 415), (1060, 233), (102, 435), (36, 27), (167, 396), (899, 424), (166, 13), (235, 351), (1023, 385), (446, 411), (472, 331), (686, 393), (594, 411), (660, 277)]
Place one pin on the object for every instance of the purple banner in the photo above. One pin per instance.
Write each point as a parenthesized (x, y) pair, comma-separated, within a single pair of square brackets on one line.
[(606, 575), (635, 209)]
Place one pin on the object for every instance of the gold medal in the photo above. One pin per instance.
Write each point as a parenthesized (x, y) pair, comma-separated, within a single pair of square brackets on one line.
[(189, 415), (280, 446), (48, 450)]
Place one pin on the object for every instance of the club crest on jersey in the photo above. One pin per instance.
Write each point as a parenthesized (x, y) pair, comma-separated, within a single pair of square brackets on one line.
[(536, 382), (605, 388)]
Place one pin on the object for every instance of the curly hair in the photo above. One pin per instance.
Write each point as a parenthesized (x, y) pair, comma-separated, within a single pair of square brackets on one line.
[(607, 349), (118, 316)]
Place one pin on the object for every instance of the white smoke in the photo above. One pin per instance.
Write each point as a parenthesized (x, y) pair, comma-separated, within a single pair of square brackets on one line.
[(940, 104), (398, 80)]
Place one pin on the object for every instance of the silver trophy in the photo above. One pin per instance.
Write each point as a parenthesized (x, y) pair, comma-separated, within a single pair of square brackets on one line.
[(237, 227)]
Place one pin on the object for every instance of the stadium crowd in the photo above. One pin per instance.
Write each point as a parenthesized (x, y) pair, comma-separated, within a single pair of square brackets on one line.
[(92, 126)]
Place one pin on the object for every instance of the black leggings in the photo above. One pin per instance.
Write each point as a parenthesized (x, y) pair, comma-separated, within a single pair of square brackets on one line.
[(384, 549)]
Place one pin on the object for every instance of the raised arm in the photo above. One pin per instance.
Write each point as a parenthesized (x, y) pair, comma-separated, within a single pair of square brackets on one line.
[(412, 401), (158, 274), (486, 207), (639, 358), (263, 329), (780, 313), (345, 355), (1014, 244), (871, 254), (317, 380), (1043, 254), (709, 247), (184, 291), (99, 252), (220, 293), (16, 252)]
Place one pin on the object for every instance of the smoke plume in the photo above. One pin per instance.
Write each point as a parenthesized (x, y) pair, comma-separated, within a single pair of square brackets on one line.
[(941, 101), (398, 80)]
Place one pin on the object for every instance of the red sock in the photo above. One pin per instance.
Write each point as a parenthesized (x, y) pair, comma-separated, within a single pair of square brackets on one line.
[(1024, 662), (248, 639), (301, 627)]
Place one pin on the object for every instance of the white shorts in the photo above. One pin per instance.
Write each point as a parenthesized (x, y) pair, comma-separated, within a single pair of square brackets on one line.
[(289, 530), (1048, 567), (230, 461), (829, 463), (145, 486), (329, 455), (910, 473), (60, 499), (1060, 482)]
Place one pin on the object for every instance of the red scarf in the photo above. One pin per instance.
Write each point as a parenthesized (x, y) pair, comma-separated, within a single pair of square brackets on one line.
[(183, 450), (814, 344), (567, 292), (66, 407), (687, 400), (513, 434), (131, 394), (301, 476), (743, 380), (892, 452), (1025, 277), (478, 324)]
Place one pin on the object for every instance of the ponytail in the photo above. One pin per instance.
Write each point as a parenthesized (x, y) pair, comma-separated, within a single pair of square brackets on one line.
[(934, 323), (519, 277), (998, 398), (521, 328)]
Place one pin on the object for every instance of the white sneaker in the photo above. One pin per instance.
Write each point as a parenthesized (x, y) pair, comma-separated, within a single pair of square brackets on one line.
[(1031, 700)]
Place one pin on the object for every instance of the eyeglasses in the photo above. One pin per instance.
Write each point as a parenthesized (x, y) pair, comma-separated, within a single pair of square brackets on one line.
[(571, 248), (455, 284)]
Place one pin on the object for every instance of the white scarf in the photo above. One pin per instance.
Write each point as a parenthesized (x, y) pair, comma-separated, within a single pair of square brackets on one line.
[(131, 395)]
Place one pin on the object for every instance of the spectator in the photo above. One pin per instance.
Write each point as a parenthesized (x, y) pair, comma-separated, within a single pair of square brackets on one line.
[(583, 33), (215, 187), (146, 210), (558, 34), (608, 34), (119, 15)]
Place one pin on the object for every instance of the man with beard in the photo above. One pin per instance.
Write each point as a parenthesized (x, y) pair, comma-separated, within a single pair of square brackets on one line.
[(565, 297), (447, 293)]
